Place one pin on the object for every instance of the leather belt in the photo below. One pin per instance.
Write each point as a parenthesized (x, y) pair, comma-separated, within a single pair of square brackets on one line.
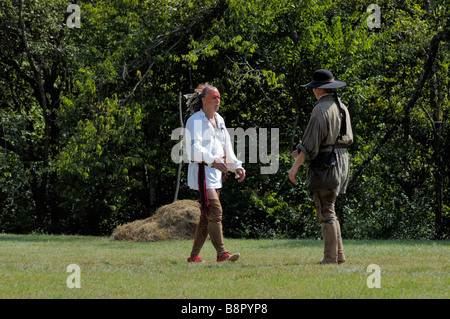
[(329, 148)]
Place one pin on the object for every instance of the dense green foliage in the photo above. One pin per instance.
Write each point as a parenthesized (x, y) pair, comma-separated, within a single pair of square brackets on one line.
[(86, 114)]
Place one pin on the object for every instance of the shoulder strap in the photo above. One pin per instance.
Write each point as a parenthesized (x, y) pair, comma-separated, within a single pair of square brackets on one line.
[(343, 129)]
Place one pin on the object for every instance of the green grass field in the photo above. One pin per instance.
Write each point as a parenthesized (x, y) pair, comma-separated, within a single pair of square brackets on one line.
[(35, 266)]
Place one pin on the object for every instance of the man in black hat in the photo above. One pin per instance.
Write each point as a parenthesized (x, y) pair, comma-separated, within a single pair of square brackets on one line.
[(323, 147)]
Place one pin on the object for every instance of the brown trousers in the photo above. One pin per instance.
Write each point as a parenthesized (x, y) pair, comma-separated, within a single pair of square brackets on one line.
[(211, 225), (331, 230)]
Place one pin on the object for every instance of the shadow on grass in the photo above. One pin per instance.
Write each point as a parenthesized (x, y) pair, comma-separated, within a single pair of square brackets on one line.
[(261, 243), (299, 243), (44, 238), (246, 265)]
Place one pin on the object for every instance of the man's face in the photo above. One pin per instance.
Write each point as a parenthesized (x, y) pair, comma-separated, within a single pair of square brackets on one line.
[(211, 101), (318, 92)]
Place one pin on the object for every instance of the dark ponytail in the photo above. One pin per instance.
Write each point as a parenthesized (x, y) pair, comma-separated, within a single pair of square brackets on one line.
[(195, 100), (343, 130)]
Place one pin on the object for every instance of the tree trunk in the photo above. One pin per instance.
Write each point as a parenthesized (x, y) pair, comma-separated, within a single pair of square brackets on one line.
[(150, 185), (438, 159)]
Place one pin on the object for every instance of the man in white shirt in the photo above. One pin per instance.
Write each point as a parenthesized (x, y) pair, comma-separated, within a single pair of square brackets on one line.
[(211, 154)]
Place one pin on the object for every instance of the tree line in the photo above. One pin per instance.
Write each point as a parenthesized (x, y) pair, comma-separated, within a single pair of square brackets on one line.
[(88, 106)]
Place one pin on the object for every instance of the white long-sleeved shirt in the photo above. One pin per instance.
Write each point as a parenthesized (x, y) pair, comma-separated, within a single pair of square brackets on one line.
[(204, 143)]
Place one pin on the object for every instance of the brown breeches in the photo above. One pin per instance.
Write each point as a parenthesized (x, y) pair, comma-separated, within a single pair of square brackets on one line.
[(211, 225), (331, 230)]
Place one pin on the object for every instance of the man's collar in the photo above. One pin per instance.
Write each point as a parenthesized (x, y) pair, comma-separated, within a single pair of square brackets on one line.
[(323, 95), (203, 115)]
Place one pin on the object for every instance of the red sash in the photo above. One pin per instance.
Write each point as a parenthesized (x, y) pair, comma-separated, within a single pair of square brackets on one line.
[(204, 200)]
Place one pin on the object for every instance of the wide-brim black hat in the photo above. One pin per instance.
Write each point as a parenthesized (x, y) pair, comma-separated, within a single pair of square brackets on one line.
[(323, 79)]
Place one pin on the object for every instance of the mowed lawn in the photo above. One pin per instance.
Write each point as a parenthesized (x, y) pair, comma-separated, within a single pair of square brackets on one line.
[(36, 267)]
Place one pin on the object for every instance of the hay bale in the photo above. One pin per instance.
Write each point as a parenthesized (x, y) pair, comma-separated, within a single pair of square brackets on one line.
[(176, 221)]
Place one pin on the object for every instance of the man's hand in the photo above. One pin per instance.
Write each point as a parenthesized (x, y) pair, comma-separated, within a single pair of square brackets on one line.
[(294, 153), (292, 173), (220, 165), (241, 173), (299, 160)]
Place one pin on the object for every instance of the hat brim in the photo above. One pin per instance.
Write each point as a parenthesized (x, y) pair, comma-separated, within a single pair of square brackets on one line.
[(332, 85)]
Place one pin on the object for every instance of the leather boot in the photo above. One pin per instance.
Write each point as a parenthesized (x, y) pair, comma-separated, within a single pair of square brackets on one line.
[(341, 256), (330, 243)]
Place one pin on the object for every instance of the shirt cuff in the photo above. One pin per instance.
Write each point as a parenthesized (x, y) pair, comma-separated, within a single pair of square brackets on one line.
[(301, 148)]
